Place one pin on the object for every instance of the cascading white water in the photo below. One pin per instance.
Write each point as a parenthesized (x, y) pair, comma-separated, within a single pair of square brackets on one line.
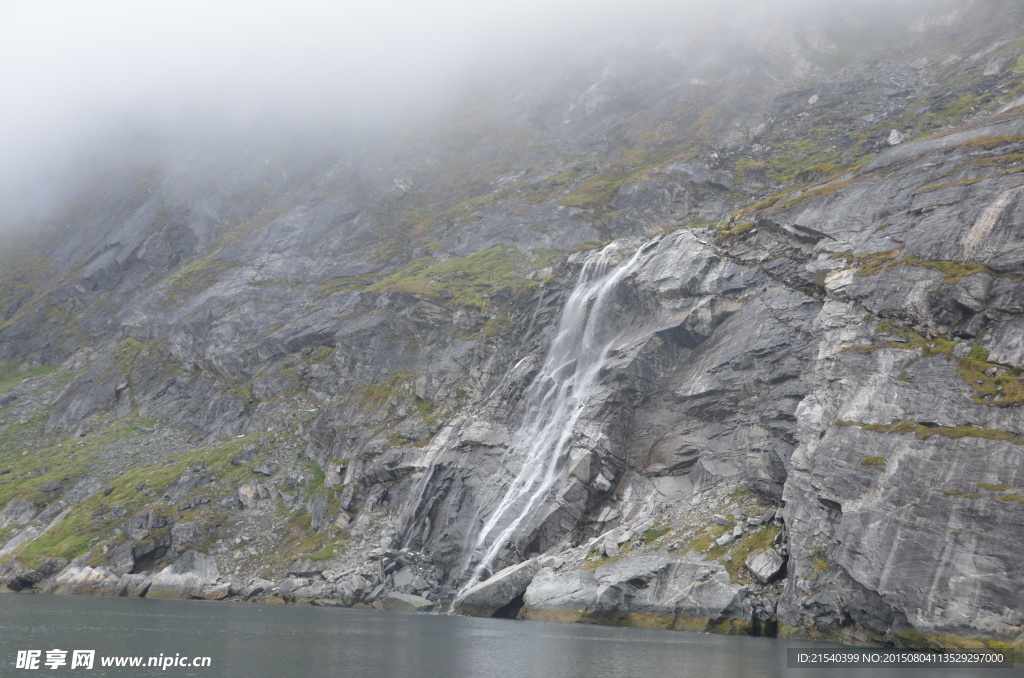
[(556, 398)]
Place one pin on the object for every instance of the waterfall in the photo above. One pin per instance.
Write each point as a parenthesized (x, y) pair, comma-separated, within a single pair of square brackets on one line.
[(556, 399)]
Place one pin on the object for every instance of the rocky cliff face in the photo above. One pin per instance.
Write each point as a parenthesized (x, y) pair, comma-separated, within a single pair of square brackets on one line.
[(784, 401)]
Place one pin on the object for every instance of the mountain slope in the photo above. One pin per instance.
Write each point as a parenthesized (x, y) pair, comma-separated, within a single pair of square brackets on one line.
[(321, 375)]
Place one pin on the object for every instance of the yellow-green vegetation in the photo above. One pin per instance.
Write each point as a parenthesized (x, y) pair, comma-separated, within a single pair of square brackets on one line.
[(952, 270), (129, 351), (912, 639), (90, 523), (396, 386), (9, 375), (656, 532), (741, 549), (342, 284), (993, 384), (498, 325), (599, 560), (200, 275), (471, 281), (746, 165), (963, 495), (589, 245), (990, 142), (924, 432), (821, 191), (870, 263), (1009, 494), (968, 181), (820, 564), (633, 165), (809, 152), (33, 463), (873, 462), (951, 113), (911, 341), (734, 230)]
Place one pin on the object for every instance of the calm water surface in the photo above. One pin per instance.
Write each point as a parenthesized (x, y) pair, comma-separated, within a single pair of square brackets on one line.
[(274, 641)]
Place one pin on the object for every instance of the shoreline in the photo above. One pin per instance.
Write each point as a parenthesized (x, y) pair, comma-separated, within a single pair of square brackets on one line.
[(850, 636)]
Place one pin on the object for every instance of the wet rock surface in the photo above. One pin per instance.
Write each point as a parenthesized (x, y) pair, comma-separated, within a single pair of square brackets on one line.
[(803, 418)]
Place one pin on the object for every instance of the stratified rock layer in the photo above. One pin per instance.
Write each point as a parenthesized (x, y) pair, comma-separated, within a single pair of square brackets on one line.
[(802, 417)]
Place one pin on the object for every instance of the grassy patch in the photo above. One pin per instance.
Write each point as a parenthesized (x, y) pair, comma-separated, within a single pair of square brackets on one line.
[(820, 564), (910, 341), (869, 263), (814, 194), (471, 281), (9, 373), (734, 230), (873, 462), (924, 432), (90, 523), (598, 191), (397, 386), (200, 275), (744, 547), (873, 263), (993, 384), (656, 533), (961, 495), (589, 245)]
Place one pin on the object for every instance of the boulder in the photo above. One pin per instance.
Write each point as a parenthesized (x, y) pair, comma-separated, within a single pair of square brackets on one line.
[(187, 535), (121, 560), (683, 592), (404, 602), (177, 490), (133, 585), (504, 587), (766, 566), (18, 512), (79, 578), (144, 524), (265, 468), (217, 591), (256, 587), (186, 577)]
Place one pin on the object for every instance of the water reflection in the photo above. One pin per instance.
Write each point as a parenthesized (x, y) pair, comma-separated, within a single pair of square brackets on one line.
[(266, 641)]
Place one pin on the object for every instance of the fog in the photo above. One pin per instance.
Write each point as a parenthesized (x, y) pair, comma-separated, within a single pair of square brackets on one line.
[(84, 79)]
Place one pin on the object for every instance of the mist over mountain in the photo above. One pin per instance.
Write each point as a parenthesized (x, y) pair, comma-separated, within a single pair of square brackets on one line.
[(539, 311)]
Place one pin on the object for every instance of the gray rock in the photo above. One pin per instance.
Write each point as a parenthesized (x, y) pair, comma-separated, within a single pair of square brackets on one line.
[(79, 578), (177, 490), (133, 585), (186, 577), (766, 566), (680, 593), (188, 535), (255, 587), (265, 468), (405, 602), (489, 596), (121, 560), (18, 512)]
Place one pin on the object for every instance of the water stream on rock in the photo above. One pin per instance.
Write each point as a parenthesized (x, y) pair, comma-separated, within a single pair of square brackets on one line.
[(556, 399)]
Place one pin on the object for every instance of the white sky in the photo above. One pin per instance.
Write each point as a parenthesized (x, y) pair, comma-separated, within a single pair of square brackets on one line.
[(72, 72)]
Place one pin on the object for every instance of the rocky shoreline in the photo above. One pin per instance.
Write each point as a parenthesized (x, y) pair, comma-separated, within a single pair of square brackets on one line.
[(779, 320)]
